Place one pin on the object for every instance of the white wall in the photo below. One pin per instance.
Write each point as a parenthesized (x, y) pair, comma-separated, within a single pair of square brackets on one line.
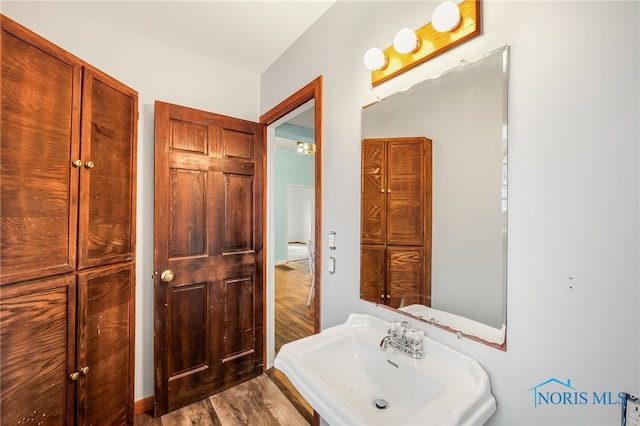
[(300, 213), (574, 186), (156, 71)]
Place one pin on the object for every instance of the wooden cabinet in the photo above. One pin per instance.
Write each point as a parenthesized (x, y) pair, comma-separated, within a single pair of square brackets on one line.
[(396, 220), (67, 237)]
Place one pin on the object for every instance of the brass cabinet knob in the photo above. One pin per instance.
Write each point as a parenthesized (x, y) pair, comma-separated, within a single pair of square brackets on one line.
[(77, 163), (381, 189), (84, 370), (89, 164), (74, 375), (167, 275), (388, 191)]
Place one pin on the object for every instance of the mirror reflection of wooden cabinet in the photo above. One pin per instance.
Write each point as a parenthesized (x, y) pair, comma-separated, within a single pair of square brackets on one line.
[(67, 232), (396, 221)]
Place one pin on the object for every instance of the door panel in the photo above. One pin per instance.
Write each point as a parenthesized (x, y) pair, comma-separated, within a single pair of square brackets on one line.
[(37, 351), (188, 233), (208, 222), (105, 344), (40, 139), (372, 273), (238, 213), (405, 276), (188, 329), (239, 330), (107, 177), (374, 192), (405, 224)]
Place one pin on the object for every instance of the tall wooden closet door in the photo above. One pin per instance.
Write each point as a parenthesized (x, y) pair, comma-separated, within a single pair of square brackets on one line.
[(37, 352), (405, 191), (105, 345), (374, 192), (40, 130), (107, 178)]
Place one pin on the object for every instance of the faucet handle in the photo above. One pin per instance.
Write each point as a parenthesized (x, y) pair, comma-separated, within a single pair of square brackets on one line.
[(394, 327), (414, 337)]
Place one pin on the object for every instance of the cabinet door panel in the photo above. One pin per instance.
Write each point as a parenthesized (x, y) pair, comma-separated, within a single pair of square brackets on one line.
[(372, 273), (374, 208), (405, 276), (37, 347), (105, 345), (40, 129), (405, 192), (107, 179)]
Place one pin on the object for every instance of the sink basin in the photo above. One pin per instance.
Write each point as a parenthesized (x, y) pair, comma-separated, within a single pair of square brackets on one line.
[(349, 380)]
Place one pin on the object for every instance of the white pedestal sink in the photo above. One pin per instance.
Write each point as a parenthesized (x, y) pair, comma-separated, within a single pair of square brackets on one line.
[(349, 380)]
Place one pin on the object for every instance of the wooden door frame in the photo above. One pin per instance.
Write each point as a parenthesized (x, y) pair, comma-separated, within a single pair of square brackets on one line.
[(312, 91)]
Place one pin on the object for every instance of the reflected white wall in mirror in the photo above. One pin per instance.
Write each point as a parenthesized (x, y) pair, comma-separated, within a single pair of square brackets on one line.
[(464, 112)]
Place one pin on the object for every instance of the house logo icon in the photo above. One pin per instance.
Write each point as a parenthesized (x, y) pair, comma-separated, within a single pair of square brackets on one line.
[(557, 392)]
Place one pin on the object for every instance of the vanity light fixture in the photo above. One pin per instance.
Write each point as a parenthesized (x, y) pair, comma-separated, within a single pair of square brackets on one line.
[(453, 22), (306, 148)]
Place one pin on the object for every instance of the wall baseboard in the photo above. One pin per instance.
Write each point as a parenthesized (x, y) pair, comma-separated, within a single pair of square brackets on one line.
[(143, 405)]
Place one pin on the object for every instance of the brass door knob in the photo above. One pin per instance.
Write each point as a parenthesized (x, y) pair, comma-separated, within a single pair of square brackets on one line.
[(77, 163), (74, 375), (89, 164), (167, 275), (84, 370)]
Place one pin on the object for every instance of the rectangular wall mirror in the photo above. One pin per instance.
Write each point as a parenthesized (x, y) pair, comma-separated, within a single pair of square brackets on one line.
[(463, 112)]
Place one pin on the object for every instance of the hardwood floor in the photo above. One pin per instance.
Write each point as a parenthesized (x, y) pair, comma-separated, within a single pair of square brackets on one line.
[(255, 402), (293, 321), (269, 399)]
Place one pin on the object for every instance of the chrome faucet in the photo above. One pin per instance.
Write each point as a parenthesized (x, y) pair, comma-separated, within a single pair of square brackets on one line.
[(404, 339), (385, 342)]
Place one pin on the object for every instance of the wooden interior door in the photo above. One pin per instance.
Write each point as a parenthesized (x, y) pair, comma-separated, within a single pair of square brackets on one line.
[(208, 254)]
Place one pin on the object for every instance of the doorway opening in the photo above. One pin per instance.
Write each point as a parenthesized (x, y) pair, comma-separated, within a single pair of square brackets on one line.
[(303, 100)]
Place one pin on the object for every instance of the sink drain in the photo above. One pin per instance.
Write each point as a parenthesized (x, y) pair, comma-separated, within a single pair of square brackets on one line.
[(380, 404)]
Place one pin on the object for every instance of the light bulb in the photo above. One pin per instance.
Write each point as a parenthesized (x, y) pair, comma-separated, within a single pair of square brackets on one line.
[(374, 59), (446, 17), (406, 41)]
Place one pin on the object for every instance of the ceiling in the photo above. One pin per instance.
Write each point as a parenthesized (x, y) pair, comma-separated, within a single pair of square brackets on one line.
[(247, 34)]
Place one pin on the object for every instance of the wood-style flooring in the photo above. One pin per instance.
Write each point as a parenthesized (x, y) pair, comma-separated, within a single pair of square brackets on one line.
[(293, 319), (270, 399), (255, 402)]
